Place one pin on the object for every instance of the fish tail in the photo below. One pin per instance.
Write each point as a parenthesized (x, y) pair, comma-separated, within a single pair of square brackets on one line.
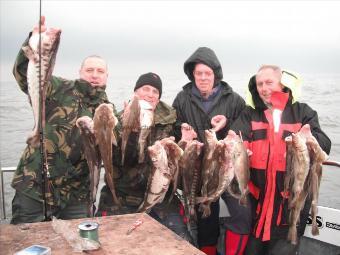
[(205, 209), (243, 200), (292, 234), (315, 229)]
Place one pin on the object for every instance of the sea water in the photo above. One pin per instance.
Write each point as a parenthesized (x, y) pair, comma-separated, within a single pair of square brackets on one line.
[(320, 91)]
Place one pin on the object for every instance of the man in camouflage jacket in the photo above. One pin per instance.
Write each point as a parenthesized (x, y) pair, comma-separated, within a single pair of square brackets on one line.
[(67, 188), (131, 185)]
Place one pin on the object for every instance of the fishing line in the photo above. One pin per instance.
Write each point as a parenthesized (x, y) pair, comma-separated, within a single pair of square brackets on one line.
[(41, 123)]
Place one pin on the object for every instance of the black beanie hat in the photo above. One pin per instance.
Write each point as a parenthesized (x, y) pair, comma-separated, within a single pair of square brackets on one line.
[(151, 79)]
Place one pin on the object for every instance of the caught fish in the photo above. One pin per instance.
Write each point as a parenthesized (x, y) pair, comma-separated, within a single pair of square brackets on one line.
[(300, 165), (146, 121), (240, 164), (104, 122), (159, 178), (191, 175), (317, 157), (174, 153), (210, 171), (130, 121), (92, 156), (209, 160), (37, 91)]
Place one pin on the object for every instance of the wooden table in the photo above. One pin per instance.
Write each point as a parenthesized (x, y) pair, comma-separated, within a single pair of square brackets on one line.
[(149, 238)]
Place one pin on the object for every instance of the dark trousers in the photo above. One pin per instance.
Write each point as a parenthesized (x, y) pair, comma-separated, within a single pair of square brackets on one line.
[(256, 246), (208, 228), (28, 210)]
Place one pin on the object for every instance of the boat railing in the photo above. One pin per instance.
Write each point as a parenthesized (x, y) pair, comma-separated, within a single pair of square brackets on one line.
[(4, 170)]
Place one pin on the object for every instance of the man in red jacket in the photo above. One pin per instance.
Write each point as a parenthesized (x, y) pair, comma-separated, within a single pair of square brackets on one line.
[(272, 114)]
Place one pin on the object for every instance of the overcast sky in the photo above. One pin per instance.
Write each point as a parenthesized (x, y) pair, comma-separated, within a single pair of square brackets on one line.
[(139, 36)]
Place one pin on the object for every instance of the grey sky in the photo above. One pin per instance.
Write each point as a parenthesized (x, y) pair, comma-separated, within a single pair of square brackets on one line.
[(139, 36)]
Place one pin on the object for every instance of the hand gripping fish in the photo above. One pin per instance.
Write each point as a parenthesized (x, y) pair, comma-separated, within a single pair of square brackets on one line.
[(159, 178), (104, 124), (92, 156), (49, 47)]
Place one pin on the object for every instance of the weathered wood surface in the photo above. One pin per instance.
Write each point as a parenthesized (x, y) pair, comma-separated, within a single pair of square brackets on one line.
[(149, 238)]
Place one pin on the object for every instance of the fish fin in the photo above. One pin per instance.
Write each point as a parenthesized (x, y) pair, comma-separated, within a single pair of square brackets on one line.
[(114, 139)]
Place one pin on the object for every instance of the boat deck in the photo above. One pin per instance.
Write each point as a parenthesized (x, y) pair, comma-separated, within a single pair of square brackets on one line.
[(149, 238)]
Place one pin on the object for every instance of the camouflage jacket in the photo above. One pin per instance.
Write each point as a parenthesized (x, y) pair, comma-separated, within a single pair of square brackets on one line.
[(68, 171), (132, 181)]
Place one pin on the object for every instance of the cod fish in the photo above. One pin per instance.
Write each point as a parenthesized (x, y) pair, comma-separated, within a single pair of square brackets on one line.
[(104, 122), (159, 178), (92, 156), (174, 154), (317, 157), (146, 121), (240, 164), (191, 175), (130, 121), (210, 171), (37, 91), (300, 168)]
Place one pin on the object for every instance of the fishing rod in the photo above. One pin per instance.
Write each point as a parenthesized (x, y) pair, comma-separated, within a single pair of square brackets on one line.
[(331, 163), (41, 123)]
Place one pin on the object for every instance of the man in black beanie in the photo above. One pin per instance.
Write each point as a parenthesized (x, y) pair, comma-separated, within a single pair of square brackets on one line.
[(131, 185)]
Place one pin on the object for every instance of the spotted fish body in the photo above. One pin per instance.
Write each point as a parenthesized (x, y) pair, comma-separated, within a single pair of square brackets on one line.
[(146, 119), (240, 164), (130, 122), (92, 156), (159, 178), (49, 47), (300, 165), (104, 124), (174, 153)]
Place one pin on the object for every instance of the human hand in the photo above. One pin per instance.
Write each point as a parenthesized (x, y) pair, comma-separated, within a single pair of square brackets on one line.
[(188, 133), (43, 26), (218, 122)]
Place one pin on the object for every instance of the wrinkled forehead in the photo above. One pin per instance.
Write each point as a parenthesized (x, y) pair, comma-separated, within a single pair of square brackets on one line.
[(94, 62)]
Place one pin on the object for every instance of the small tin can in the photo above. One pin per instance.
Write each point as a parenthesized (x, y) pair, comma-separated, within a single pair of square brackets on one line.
[(89, 229)]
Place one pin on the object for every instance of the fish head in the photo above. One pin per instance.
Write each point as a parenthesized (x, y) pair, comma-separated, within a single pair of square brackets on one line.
[(155, 151), (85, 124), (49, 40)]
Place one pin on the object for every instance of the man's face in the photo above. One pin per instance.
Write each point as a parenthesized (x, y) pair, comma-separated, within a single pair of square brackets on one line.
[(268, 81), (94, 71), (204, 78), (149, 94)]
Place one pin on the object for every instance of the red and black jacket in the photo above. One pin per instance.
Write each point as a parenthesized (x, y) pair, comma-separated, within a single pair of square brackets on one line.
[(268, 161)]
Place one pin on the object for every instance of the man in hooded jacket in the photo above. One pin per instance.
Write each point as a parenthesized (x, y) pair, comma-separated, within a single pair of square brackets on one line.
[(273, 92), (207, 102)]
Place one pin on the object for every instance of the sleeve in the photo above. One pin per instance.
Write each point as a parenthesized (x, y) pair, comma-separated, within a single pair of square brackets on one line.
[(238, 104), (179, 120), (20, 68), (242, 126), (311, 118)]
